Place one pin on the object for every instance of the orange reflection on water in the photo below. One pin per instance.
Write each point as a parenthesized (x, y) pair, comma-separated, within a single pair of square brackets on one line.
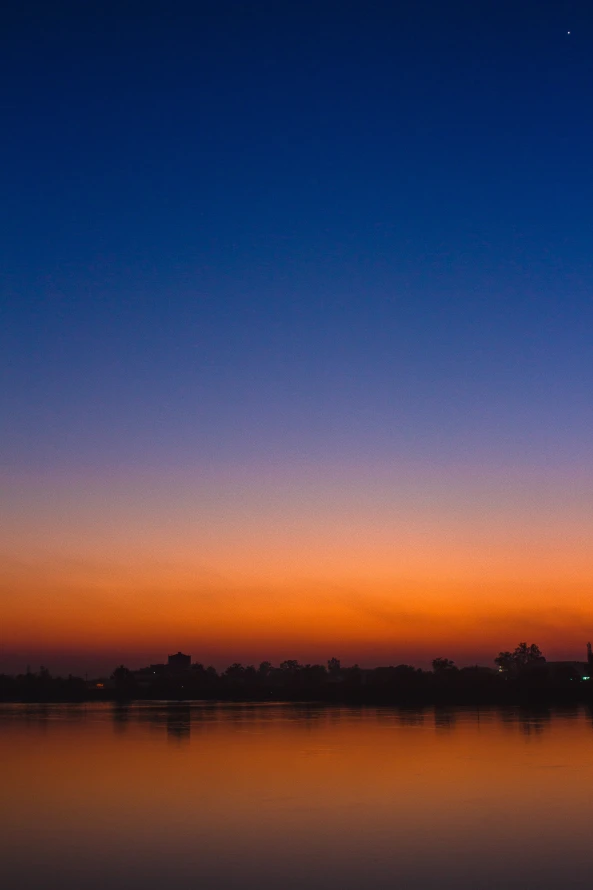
[(295, 794)]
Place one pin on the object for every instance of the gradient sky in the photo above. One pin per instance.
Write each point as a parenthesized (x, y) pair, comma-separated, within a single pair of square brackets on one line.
[(297, 314)]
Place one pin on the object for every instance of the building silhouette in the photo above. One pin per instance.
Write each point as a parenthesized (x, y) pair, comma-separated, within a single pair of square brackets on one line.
[(179, 662)]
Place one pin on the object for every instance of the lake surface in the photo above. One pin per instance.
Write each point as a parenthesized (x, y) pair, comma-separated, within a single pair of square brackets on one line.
[(280, 796)]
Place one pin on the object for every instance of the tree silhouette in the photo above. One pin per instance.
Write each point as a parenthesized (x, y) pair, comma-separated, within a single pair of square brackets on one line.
[(235, 671), (122, 675), (265, 669), (504, 660), (522, 657), (442, 665), (290, 666)]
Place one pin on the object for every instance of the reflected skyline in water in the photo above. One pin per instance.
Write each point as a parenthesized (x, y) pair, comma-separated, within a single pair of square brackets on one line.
[(262, 796)]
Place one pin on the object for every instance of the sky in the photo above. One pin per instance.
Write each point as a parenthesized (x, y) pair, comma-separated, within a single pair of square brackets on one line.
[(295, 331)]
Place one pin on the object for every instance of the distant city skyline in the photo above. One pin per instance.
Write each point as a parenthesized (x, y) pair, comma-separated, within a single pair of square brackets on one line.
[(103, 665)]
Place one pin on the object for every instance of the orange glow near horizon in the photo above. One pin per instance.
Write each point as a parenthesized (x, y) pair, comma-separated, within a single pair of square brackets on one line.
[(387, 567)]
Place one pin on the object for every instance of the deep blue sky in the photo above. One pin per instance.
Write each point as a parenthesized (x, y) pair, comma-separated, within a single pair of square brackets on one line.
[(241, 229)]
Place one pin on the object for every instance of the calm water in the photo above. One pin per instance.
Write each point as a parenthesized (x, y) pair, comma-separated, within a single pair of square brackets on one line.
[(219, 797)]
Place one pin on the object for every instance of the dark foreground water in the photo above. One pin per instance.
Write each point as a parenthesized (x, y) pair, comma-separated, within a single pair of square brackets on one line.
[(250, 796)]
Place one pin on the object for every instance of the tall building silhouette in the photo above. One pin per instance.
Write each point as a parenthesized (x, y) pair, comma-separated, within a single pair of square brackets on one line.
[(179, 662)]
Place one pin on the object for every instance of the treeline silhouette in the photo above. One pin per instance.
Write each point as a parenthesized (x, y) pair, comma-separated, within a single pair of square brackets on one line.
[(521, 675), (40, 686)]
